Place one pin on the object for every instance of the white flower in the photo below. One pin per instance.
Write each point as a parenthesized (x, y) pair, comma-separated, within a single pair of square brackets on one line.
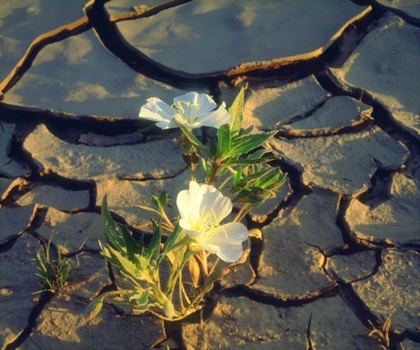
[(202, 208), (192, 110)]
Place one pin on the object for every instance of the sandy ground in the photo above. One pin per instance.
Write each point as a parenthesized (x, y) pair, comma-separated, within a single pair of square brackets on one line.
[(340, 247)]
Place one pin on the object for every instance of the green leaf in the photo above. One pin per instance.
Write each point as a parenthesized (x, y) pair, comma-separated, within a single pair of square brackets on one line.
[(182, 242), (112, 233), (171, 239), (154, 245), (246, 143), (125, 265), (141, 262), (236, 111), (244, 161), (148, 209), (139, 310), (155, 201), (131, 246), (163, 199), (248, 130), (238, 175), (206, 167), (104, 251), (190, 136), (250, 179), (94, 307), (140, 299), (143, 300), (96, 304), (267, 181), (253, 195), (141, 244), (212, 148), (258, 154), (223, 141)]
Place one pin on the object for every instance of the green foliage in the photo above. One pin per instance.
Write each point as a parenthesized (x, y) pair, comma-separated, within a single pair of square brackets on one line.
[(52, 272), (139, 265), (236, 112), (190, 137), (238, 160), (238, 151)]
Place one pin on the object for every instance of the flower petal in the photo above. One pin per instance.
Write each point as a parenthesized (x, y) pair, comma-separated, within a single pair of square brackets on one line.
[(181, 120), (215, 205), (204, 188), (186, 227), (236, 232), (189, 201), (157, 110), (202, 207), (203, 201), (204, 102), (216, 118), (226, 241)]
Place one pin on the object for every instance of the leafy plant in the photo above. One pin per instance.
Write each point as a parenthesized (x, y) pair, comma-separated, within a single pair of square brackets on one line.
[(52, 272), (236, 164)]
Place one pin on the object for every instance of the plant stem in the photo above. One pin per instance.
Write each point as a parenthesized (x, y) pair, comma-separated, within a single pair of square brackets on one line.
[(202, 258), (192, 174), (225, 182), (240, 215), (165, 217), (214, 171), (214, 266)]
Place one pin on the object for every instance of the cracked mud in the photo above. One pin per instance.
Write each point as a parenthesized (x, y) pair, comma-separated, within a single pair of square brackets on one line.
[(338, 249)]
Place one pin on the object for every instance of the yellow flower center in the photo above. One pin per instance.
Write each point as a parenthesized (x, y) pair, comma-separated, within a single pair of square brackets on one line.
[(207, 223), (178, 106)]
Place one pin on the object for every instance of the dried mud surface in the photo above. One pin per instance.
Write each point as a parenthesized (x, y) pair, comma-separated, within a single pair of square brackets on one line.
[(337, 257)]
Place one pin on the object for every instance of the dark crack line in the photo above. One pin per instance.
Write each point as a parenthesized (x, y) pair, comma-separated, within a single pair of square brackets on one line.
[(299, 190), (411, 20), (308, 334), (147, 12), (381, 117), (116, 44), (148, 177), (67, 30), (375, 269), (257, 247), (111, 39), (106, 125), (356, 304), (268, 299), (353, 243), (344, 130), (351, 38), (8, 244), (379, 190), (26, 332), (365, 315)]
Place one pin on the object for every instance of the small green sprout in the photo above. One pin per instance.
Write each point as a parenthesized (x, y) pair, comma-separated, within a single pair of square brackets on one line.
[(53, 273)]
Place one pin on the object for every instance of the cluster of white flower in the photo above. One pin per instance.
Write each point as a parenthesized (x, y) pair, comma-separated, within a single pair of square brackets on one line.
[(202, 207), (233, 161), (192, 110)]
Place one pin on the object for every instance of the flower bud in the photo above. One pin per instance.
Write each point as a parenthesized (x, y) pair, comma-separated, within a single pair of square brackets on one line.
[(168, 309)]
